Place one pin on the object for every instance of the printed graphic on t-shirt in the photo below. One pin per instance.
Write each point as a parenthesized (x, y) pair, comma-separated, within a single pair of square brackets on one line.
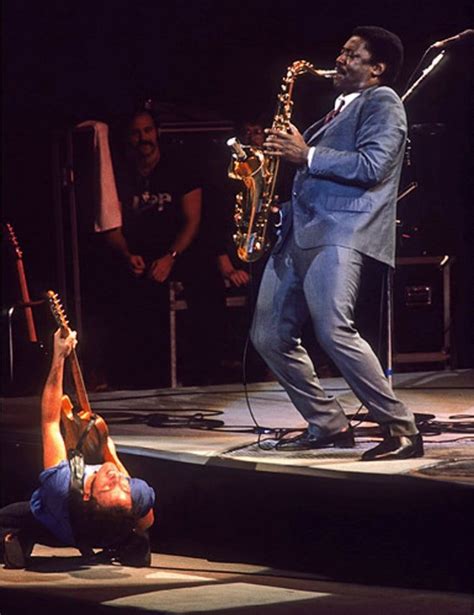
[(147, 201)]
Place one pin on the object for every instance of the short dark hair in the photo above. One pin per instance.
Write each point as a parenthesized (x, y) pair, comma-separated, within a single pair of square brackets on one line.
[(94, 526), (384, 46), (142, 111), (148, 106)]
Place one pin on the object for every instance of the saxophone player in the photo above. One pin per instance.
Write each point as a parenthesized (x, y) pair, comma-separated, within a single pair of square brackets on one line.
[(341, 215)]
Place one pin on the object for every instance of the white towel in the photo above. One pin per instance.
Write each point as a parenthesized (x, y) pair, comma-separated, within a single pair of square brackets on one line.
[(108, 213)]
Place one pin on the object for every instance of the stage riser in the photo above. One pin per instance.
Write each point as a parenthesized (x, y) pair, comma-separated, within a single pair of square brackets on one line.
[(411, 534)]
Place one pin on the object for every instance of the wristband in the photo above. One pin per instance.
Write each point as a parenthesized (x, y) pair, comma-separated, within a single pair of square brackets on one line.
[(173, 254)]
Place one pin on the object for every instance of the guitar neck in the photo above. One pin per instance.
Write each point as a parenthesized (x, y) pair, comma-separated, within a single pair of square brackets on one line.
[(61, 319), (79, 383), (25, 296)]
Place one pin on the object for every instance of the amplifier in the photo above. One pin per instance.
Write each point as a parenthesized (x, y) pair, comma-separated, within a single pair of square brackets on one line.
[(421, 309)]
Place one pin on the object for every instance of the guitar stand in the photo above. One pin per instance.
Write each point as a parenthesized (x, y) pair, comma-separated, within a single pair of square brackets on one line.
[(10, 313)]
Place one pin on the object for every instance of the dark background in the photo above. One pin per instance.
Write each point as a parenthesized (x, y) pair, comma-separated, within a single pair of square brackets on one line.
[(66, 61)]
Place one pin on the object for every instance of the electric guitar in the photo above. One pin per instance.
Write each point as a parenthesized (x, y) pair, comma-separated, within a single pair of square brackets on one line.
[(27, 353), (81, 423), (25, 294)]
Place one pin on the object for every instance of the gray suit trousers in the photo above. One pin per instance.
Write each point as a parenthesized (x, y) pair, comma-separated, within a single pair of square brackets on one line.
[(321, 283)]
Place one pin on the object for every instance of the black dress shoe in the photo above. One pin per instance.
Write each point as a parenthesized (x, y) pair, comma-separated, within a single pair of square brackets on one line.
[(396, 447), (306, 441)]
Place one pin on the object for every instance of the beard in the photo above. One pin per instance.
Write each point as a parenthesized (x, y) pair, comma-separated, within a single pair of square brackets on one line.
[(144, 149)]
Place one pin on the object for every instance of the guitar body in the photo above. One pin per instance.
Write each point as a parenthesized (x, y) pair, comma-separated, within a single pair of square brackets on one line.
[(73, 425)]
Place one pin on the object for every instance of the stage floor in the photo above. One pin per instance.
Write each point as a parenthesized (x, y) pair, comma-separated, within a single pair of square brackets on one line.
[(61, 583), (350, 532), (213, 425)]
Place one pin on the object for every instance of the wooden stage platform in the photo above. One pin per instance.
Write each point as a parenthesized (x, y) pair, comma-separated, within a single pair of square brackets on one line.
[(225, 495)]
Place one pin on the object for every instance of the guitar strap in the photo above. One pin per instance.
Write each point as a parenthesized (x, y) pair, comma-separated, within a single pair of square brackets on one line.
[(76, 460), (77, 467)]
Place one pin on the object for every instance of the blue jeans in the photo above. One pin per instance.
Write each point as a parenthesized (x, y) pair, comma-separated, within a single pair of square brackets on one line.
[(322, 284)]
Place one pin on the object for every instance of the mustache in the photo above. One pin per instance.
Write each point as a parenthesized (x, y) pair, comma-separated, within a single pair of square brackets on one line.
[(144, 143)]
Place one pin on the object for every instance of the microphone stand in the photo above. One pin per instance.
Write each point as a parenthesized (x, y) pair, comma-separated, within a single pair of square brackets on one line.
[(435, 61), (390, 285)]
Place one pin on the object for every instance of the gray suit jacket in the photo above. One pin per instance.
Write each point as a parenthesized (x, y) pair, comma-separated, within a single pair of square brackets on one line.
[(347, 197)]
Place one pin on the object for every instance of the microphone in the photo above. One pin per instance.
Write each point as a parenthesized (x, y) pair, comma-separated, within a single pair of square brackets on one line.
[(447, 42)]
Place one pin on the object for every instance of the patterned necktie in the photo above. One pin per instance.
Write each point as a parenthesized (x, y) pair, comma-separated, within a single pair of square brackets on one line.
[(332, 114)]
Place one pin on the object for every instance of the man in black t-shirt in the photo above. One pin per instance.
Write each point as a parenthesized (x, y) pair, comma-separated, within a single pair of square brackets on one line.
[(161, 213), (156, 208), (161, 209)]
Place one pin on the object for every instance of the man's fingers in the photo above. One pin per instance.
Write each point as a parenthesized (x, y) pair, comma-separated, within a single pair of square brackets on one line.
[(137, 264), (275, 135), (72, 340), (157, 275), (292, 129), (273, 150)]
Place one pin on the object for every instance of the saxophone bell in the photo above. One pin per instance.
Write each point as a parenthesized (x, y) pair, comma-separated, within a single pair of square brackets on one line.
[(238, 151)]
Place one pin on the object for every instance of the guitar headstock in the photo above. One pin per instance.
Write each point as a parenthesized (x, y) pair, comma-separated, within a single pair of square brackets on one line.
[(57, 310), (14, 240)]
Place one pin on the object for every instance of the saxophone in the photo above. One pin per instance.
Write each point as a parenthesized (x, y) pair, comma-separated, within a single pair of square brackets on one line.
[(258, 172)]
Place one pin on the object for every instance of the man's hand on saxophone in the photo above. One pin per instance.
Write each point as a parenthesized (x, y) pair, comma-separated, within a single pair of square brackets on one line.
[(288, 145)]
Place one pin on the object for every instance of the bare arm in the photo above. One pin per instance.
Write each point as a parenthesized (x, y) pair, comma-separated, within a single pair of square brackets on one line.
[(54, 449), (238, 277), (116, 240), (191, 204), (145, 522), (110, 454)]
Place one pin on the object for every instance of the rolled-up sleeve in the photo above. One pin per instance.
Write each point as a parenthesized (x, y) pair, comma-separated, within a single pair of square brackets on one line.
[(143, 497)]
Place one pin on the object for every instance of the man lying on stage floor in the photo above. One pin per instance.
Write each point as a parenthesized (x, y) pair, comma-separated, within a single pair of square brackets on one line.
[(76, 504)]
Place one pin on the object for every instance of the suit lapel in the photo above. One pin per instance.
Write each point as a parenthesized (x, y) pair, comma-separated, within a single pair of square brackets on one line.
[(317, 129), (320, 127), (312, 130)]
